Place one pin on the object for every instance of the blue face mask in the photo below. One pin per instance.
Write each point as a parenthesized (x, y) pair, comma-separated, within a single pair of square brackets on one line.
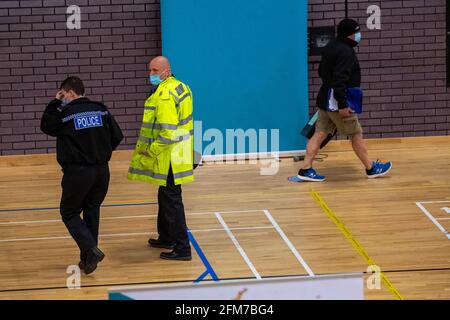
[(64, 102), (358, 37), (155, 79)]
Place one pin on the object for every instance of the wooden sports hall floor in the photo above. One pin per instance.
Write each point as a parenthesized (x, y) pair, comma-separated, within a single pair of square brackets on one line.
[(399, 221)]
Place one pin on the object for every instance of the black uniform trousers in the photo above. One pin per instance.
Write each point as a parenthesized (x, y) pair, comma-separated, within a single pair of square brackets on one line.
[(171, 217), (84, 188)]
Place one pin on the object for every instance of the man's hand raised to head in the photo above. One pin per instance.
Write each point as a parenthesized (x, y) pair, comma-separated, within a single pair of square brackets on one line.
[(344, 113), (59, 95)]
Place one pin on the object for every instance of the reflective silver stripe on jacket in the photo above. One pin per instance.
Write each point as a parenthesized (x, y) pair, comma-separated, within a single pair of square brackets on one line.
[(185, 121), (84, 114), (146, 140), (178, 139), (179, 100), (147, 125), (147, 173), (160, 126), (175, 97), (184, 97), (183, 174)]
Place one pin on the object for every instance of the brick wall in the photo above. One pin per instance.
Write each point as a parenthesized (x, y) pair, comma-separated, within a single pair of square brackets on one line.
[(37, 51), (403, 65)]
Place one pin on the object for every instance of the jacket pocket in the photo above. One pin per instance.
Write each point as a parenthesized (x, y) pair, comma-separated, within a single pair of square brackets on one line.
[(147, 163)]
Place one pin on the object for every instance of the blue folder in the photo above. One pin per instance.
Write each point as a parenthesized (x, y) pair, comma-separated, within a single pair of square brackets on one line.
[(354, 99)]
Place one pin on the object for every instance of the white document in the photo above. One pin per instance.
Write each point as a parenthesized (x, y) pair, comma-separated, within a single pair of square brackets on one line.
[(332, 102)]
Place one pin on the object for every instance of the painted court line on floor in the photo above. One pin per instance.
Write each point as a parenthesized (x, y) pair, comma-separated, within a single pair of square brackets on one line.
[(209, 270), (432, 218), (109, 218), (103, 206), (237, 245), (289, 244), (431, 202), (355, 243), (126, 234), (226, 229)]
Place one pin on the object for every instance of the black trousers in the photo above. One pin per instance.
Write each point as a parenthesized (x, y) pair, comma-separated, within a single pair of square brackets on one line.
[(171, 218), (83, 190)]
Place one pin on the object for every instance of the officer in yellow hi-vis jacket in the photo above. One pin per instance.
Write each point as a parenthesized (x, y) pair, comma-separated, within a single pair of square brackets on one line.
[(164, 156)]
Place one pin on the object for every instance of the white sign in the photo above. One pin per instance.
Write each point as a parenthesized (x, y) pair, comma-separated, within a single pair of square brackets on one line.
[(330, 287)]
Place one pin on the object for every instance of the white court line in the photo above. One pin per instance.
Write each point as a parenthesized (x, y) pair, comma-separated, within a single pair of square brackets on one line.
[(238, 211), (117, 218), (28, 222), (238, 246), (238, 228), (126, 234), (433, 219), (59, 220), (269, 216), (33, 239), (441, 201), (289, 244)]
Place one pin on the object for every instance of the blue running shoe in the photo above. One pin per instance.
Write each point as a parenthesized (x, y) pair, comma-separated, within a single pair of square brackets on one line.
[(310, 175), (379, 169)]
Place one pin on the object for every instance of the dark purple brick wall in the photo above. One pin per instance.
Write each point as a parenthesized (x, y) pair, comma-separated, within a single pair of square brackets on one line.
[(37, 51), (403, 65)]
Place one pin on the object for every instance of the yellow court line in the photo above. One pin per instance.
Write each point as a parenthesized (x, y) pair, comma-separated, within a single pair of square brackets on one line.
[(386, 189), (354, 242)]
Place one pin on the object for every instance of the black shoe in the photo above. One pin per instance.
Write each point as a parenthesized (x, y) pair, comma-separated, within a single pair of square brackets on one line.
[(81, 265), (94, 256), (159, 244), (172, 255)]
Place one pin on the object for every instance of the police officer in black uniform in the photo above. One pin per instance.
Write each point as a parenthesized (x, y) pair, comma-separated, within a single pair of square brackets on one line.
[(86, 135)]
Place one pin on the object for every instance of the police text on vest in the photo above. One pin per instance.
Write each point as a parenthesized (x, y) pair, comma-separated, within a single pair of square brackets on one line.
[(85, 122)]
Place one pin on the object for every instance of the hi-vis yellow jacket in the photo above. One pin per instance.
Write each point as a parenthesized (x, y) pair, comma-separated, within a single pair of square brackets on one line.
[(166, 136)]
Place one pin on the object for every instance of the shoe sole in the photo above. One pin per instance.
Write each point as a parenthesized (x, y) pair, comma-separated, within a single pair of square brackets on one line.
[(179, 259), (100, 259), (90, 271), (380, 174), (310, 179), (161, 246)]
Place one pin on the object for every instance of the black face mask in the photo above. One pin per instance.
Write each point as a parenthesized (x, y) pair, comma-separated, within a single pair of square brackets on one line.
[(351, 42), (348, 41)]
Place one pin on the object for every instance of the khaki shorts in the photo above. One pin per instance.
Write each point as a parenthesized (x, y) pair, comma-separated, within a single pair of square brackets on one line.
[(329, 121)]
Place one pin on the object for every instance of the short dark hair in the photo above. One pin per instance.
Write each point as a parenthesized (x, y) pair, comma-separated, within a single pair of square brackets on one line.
[(73, 83)]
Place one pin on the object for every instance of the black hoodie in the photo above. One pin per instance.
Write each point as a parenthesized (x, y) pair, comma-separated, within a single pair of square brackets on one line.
[(86, 131), (339, 70)]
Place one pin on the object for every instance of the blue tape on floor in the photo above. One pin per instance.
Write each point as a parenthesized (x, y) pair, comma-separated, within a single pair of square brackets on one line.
[(209, 268)]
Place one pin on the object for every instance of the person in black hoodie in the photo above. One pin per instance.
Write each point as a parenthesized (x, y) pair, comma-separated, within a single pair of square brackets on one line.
[(86, 135), (340, 71)]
